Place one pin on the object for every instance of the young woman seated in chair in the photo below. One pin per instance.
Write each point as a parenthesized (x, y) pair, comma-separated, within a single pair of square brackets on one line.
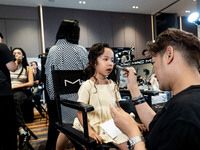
[(21, 79)]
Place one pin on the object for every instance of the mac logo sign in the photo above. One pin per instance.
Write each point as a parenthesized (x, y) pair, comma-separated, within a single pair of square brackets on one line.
[(69, 82)]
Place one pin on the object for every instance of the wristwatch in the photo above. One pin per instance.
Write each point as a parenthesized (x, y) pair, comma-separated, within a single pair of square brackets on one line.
[(131, 142)]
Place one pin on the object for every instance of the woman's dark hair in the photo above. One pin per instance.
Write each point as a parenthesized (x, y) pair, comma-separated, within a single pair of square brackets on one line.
[(69, 30), (24, 60), (95, 51), (35, 62)]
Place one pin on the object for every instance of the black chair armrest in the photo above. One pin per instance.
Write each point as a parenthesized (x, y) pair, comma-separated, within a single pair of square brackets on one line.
[(77, 105), (76, 135)]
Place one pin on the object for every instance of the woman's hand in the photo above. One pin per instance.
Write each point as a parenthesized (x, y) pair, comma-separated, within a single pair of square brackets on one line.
[(18, 58), (36, 81), (92, 133), (95, 136)]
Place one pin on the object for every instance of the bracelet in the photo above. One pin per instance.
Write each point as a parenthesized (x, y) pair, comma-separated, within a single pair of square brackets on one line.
[(136, 98), (139, 101)]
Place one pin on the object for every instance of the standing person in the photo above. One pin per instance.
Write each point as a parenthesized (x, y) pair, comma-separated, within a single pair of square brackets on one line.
[(99, 92), (21, 79), (176, 56), (146, 53), (7, 107), (66, 54)]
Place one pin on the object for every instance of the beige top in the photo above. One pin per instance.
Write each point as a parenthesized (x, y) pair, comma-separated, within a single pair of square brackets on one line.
[(100, 97), (22, 78)]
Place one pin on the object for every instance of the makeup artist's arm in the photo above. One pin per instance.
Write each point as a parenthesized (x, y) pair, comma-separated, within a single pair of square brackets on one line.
[(144, 111)]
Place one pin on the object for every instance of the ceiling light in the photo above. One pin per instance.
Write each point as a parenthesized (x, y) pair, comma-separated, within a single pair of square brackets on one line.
[(135, 7), (82, 2), (187, 11), (194, 18)]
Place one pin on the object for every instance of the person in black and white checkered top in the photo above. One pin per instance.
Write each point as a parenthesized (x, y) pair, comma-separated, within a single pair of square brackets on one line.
[(66, 54)]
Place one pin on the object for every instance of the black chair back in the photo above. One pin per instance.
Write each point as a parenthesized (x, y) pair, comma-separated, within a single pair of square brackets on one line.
[(67, 81)]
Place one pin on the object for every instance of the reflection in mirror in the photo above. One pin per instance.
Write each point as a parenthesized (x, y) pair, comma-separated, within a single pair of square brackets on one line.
[(144, 69)]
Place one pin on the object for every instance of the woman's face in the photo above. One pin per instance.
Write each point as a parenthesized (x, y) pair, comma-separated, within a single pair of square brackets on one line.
[(33, 64), (18, 54)]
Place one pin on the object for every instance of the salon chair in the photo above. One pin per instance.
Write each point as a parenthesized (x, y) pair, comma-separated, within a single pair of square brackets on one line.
[(66, 82)]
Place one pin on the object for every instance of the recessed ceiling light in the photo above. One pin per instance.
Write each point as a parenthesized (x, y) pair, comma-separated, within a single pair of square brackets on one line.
[(194, 0), (82, 2), (187, 11), (135, 7)]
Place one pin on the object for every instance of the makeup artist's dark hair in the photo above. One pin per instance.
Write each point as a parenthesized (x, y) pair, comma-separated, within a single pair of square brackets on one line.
[(186, 43)]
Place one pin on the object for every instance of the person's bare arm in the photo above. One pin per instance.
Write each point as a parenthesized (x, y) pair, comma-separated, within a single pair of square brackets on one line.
[(92, 133), (30, 80), (144, 111), (12, 66)]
